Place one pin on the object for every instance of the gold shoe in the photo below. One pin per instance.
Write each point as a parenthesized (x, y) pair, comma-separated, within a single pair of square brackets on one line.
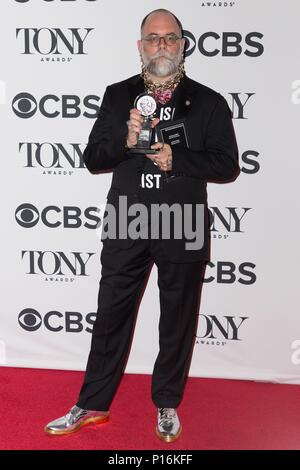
[(168, 427), (74, 420)]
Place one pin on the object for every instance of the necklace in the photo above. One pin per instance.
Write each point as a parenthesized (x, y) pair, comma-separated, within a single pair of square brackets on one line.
[(162, 92)]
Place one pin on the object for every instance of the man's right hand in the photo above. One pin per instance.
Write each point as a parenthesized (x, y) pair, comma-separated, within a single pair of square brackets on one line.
[(135, 125)]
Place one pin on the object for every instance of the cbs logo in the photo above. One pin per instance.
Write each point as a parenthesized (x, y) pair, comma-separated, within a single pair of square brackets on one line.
[(228, 44), (27, 215), (25, 106), (71, 322)]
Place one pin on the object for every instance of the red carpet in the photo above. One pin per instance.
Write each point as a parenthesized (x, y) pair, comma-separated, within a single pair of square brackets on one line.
[(216, 414)]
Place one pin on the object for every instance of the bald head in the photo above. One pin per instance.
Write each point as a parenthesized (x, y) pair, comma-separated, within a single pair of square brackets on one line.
[(156, 17)]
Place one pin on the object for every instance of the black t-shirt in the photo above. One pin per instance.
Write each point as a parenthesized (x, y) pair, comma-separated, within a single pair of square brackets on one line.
[(151, 177)]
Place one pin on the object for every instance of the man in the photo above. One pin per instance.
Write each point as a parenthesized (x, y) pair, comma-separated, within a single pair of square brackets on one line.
[(205, 149)]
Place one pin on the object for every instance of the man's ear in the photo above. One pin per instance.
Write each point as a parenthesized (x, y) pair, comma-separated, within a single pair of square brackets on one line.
[(139, 45)]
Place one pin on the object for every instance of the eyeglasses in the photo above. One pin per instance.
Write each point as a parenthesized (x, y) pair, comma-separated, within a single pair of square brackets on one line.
[(154, 39)]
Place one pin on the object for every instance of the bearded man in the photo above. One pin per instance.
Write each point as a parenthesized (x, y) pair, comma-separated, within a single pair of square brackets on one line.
[(194, 141)]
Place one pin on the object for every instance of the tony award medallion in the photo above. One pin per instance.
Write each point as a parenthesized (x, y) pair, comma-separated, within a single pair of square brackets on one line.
[(146, 104)]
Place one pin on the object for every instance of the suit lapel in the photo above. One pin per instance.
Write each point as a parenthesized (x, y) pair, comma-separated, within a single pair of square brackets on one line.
[(135, 87), (185, 98)]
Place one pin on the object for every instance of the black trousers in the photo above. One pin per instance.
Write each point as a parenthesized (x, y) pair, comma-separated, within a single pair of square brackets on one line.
[(124, 276)]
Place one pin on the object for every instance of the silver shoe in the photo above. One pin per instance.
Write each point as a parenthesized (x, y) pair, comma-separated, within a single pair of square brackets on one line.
[(168, 425), (74, 420)]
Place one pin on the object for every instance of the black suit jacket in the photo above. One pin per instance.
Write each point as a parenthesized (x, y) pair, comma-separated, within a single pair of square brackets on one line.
[(212, 154)]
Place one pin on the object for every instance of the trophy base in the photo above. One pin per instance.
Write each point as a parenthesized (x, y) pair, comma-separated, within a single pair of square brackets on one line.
[(142, 151)]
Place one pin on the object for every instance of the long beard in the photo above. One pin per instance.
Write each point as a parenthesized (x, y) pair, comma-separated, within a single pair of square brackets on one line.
[(163, 63)]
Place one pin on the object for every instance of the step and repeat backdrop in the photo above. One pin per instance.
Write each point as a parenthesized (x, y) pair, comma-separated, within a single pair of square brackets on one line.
[(57, 57)]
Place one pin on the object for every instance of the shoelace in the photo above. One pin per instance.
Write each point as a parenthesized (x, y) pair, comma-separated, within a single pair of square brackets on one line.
[(166, 415), (74, 414)]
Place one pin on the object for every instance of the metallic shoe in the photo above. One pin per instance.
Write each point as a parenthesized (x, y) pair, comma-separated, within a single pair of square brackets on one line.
[(74, 420), (168, 425)]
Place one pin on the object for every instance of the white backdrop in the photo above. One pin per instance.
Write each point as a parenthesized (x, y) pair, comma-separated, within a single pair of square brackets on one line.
[(57, 53)]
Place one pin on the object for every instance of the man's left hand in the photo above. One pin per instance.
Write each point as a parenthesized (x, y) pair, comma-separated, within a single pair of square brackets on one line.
[(163, 159)]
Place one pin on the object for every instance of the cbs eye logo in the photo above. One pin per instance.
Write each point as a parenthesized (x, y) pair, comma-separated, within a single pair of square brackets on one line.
[(27, 215), (29, 319), (24, 105), (190, 43)]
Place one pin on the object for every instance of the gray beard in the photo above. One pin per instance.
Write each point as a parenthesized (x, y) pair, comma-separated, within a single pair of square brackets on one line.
[(163, 64)]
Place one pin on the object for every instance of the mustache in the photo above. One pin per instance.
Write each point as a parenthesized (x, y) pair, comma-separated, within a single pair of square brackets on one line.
[(163, 53)]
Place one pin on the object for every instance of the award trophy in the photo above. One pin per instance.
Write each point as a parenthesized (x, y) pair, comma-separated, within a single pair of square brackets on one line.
[(147, 105)]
